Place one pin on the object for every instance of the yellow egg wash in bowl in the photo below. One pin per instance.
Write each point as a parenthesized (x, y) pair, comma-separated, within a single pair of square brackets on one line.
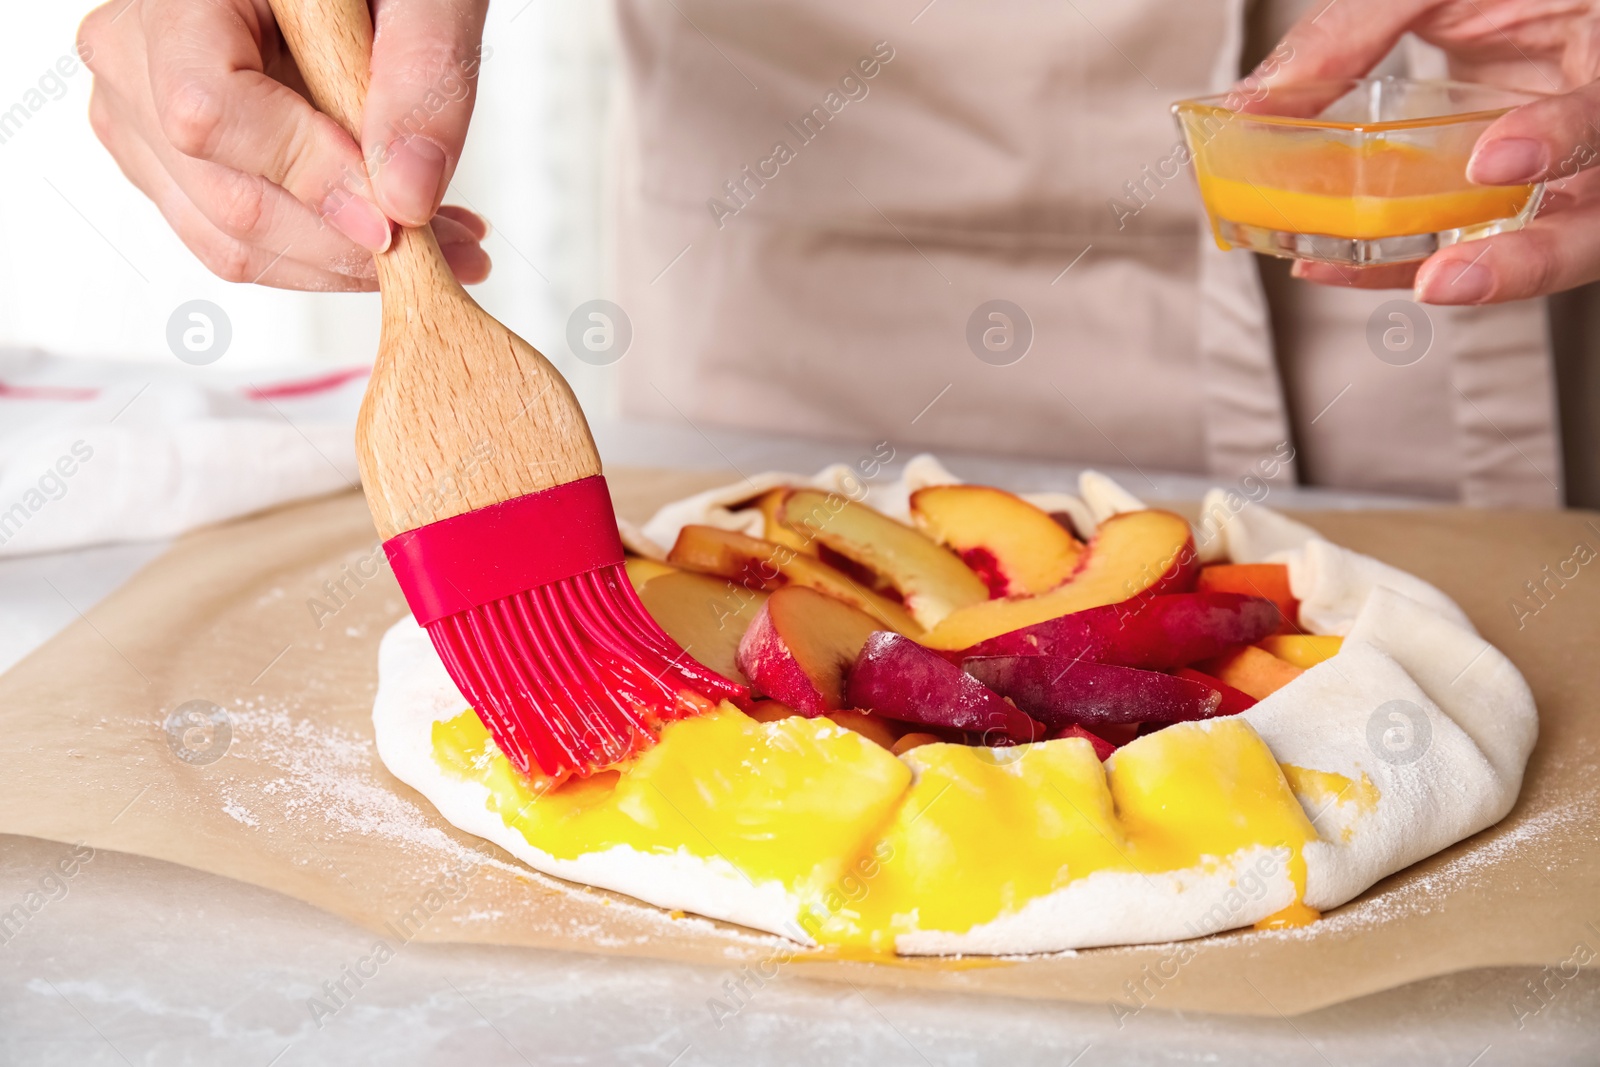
[(945, 838), (1364, 172), (1370, 189)]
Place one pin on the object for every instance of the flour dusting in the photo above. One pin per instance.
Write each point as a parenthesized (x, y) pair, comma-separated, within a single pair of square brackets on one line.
[(332, 778), (327, 776), (1524, 846)]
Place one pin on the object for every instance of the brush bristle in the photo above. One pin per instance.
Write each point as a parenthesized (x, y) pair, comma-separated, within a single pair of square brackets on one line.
[(574, 676)]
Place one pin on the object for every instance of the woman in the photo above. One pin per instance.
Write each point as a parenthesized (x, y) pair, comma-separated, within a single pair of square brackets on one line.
[(961, 227)]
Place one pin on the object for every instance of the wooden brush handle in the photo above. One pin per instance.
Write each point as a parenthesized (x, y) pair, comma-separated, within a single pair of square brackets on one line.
[(331, 41), (460, 412)]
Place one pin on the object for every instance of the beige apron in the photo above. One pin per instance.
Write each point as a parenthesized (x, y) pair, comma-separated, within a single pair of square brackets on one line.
[(820, 200)]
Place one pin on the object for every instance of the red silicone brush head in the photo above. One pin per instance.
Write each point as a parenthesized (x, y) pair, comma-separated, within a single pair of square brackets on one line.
[(529, 607), (575, 675)]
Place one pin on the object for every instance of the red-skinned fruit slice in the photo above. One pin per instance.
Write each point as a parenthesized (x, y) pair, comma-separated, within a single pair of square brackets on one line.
[(1102, 747), (1059, 691), (1233, 701), (1269, 580), (799, 646), (1135, 554), (899, 679), (1117, 733), (1154, 633)]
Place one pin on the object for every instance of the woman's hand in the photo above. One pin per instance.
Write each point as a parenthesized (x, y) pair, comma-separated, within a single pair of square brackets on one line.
[(1543, 46), (201, 105)]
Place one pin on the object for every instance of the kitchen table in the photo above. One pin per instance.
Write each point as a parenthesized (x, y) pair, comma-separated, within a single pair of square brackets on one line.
[(132, 960)]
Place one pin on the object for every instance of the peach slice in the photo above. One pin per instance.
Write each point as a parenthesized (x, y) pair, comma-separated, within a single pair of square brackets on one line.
[(899, 679), (874, 728), (1017, 549), (1137, 553), (641, 570), (707, 616), (769, 710), (769, 504), (800, 646), (1303, 650), (1251, 670), (1059, 691), (1154, 633), (756, 564), (931, 580), (910, 741)]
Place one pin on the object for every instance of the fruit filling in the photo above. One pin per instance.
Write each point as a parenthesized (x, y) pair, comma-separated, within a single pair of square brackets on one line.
[(1076, 700)]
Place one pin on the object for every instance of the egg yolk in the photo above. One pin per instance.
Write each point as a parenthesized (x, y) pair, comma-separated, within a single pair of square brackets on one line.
[(946, 837), (984, 831), (1364, 191), (789, 801)]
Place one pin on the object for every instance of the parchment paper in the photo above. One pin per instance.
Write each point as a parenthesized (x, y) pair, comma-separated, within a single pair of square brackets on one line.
[(276, 620)]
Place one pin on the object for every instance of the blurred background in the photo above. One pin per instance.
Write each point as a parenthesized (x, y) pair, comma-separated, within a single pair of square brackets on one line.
[(88, 267)]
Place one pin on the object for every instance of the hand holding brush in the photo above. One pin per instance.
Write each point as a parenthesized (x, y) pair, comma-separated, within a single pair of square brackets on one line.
[(516, 570)]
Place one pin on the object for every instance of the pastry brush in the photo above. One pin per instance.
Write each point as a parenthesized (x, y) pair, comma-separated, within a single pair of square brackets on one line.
[(484, 483)]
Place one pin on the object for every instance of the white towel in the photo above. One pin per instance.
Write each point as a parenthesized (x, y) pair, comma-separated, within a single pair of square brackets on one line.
[(94, 451)]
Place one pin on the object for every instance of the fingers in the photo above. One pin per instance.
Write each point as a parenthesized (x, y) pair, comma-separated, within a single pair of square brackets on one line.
[(1549, 139), (250, 208), (225, 256), (214, 103), (221, 192), (425, 57), (243, 206), (471, 221), (467, 259), (1338, 39), (1558, 250), (1552, 253), (264, 256), (1389, 276), (235, 261)]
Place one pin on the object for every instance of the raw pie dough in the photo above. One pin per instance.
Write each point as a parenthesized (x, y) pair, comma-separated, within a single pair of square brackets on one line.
[(835, 875)]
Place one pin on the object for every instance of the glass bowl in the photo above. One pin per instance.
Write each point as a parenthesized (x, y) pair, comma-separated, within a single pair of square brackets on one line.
[(1360, 172)]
